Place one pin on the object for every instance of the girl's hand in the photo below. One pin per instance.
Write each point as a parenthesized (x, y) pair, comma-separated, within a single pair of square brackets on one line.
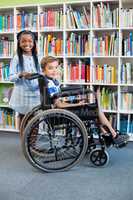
[(25, 75)]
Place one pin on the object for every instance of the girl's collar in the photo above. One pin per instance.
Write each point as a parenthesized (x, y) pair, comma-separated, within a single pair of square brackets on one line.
[(26, 55)]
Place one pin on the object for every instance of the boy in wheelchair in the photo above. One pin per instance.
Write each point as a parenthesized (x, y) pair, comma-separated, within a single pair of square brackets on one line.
[(50, 69)]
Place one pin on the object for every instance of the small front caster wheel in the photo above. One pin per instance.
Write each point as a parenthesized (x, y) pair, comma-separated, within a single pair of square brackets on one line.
[(98, 157)]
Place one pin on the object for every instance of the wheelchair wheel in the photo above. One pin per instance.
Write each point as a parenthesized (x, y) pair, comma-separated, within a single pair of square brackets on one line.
[(55, 140), (28, 117), (99, 157)]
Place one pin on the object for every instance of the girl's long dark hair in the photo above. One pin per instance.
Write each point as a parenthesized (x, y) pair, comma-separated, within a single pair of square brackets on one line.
[(20, 51)]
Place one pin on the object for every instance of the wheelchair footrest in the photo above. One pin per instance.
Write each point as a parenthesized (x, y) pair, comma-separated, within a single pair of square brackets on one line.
[(120, 145)]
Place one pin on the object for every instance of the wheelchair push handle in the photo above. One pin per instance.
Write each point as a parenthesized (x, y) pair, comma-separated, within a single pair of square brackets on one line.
[(35, 76)]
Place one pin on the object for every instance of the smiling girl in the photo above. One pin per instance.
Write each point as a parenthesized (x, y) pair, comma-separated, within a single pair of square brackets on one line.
[(25, 94)]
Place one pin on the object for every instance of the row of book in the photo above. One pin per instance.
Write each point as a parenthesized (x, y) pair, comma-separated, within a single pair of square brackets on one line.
[(127, 73), (78, 71), (104, 74), (126, 17), (51, 18), (78, 44), (4, 71), (77, 17), (104, 16), (127, 101), (5, 93), (100, 73), (126, 124), (112, 119), (6, 23), (106, 45), (27, 21), (7, 118), (6, 46), (127, 45), (108, 99), (51, 45)]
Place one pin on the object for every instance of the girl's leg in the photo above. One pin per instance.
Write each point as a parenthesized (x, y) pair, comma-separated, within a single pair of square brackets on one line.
[(19, 120)]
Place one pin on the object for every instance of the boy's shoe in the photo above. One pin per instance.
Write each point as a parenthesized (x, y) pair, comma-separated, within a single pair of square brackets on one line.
[(120, 140), (125, 137)]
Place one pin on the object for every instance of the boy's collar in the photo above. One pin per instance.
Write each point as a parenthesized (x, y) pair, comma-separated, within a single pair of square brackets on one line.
[(56, 82), (49, 77)]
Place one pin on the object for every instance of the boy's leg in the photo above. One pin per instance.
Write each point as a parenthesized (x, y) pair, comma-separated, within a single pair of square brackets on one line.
[(117, 138), (105, 121)]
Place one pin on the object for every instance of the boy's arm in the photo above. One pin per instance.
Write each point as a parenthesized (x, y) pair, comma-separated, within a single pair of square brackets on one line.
[(59, 104)]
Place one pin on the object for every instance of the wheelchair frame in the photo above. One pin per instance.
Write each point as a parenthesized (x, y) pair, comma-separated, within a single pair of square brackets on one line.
[(57, 139)]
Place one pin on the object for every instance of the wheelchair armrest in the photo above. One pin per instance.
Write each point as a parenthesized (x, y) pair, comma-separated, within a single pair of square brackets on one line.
[(72, 93)]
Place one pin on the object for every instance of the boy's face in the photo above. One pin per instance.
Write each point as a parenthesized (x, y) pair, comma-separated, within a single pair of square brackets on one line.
[(26, 43), (52, 70)]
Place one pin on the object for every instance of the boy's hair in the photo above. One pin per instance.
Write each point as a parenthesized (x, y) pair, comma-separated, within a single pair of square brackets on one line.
[(20, 51), (46, 60)]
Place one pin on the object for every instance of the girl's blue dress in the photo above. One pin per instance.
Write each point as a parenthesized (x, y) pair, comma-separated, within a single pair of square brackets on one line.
[(26, 93)]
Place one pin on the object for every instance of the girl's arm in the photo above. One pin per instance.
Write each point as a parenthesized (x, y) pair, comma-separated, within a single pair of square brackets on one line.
[(14, 69), (15, 73)]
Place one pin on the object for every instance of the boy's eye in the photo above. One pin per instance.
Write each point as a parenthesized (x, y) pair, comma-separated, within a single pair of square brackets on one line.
[(50, 67)]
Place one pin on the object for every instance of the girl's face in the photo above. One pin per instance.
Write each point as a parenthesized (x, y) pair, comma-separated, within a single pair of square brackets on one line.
[(52, 70), (26, 43)]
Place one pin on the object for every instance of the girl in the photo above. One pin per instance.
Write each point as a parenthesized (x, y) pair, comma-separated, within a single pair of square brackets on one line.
[(25, 94), (50, 69)]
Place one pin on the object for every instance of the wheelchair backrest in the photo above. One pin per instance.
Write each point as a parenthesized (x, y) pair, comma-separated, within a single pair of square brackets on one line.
[(45, 98)]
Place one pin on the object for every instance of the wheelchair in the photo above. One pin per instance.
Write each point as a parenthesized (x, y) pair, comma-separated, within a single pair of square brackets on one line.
[(56, 140)]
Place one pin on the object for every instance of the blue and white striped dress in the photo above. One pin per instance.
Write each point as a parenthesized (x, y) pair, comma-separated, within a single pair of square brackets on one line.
[(26, 93)]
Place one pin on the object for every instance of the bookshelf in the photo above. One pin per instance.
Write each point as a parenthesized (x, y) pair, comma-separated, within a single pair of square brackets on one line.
[(93, 41)]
